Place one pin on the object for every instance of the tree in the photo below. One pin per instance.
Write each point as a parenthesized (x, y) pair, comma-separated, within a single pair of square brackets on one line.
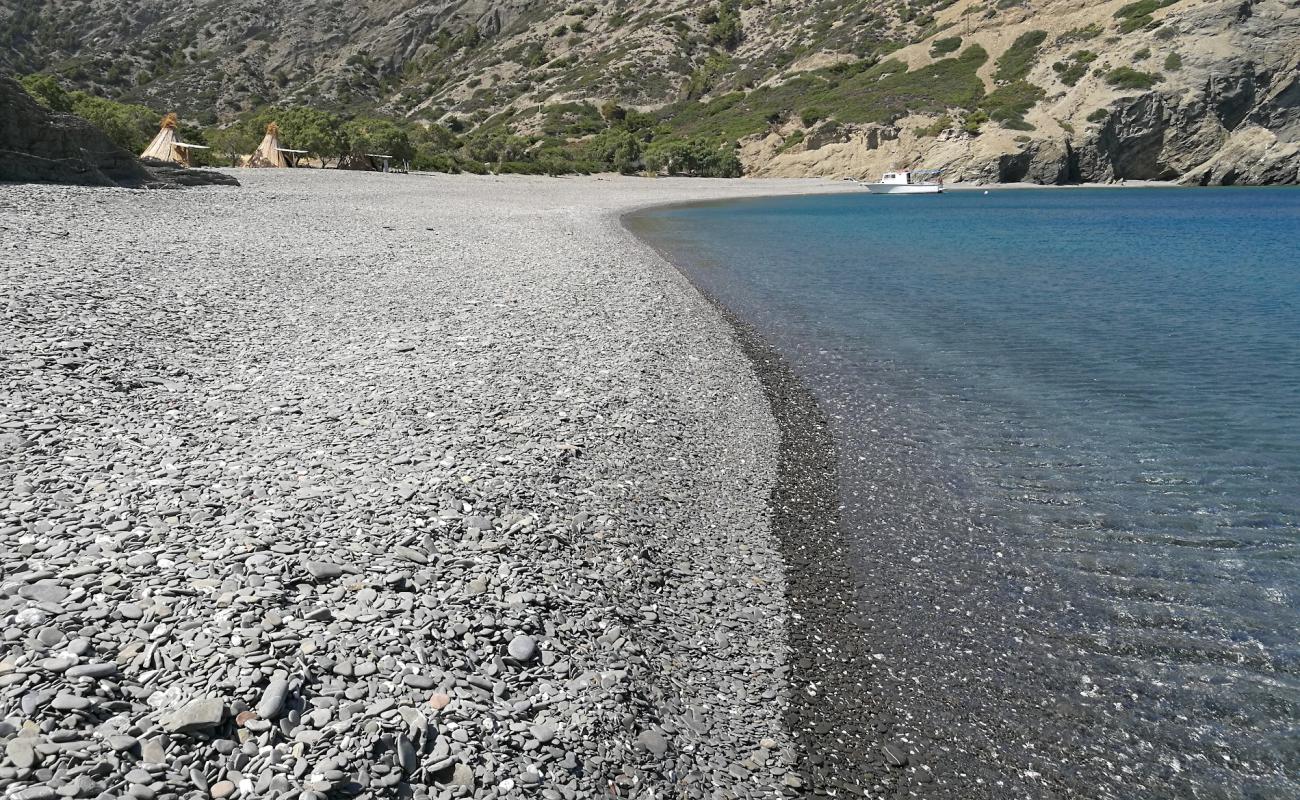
[(435, 148), (698, 157), (378, 136), (727, 30), (130, 127), (45, 89), (228, 144), (615, 149), (320, 133)]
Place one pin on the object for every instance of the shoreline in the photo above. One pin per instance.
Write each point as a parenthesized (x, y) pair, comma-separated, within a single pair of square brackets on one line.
[(842, 732), (968, 669)]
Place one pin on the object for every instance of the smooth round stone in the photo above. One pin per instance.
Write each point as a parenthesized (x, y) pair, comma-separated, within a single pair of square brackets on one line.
[(522, 648), (21, 753), (49, 636)]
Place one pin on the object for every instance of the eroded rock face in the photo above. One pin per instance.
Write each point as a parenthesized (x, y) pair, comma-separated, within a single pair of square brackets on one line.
[(1241, 127), (38, 146)]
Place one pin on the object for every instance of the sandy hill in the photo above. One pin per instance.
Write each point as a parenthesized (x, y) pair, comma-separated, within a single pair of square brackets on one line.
[(1047, 90)]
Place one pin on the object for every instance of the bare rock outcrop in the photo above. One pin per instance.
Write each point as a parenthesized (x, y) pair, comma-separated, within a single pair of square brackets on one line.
[(39, 146)]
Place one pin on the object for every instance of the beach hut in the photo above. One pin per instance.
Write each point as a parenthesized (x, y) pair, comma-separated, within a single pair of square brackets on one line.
[(270, 154), (167, 146)]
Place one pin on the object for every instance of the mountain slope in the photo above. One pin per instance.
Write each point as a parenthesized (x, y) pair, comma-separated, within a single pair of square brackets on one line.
[(1050, 90)]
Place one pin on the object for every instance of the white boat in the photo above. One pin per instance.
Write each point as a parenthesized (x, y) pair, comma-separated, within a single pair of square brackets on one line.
[(907, 182)]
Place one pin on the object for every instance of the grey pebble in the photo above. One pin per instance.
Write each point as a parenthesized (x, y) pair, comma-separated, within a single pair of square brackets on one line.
[(522, 648), (21, 753), (196, 715), (273, 697)]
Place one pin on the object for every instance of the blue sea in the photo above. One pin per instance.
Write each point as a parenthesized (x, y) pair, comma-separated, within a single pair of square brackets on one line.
[(1068, 431)]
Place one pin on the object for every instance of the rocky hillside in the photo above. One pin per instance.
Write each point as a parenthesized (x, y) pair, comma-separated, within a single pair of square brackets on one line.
[(1047, 90)]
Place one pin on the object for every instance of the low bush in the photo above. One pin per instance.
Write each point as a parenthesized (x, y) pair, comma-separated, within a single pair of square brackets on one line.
[(1129, 78), (942, 47), (1019, 58), (934, 129)]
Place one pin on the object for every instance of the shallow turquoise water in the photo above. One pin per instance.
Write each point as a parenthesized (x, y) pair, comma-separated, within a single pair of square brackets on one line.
[(1099, 390)]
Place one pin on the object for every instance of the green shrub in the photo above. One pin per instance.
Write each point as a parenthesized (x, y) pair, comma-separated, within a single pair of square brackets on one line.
[(616, 150), (1129, 78), (130, 127), (1099, 115), (974, 120), (934, 129), (1173, 62), (1080, 34), (727, 31), (1138, 15), (942, 47), (1008, 104), (1019, 58), (1070, 72), (45, 89), (811, 116), (792, 141)]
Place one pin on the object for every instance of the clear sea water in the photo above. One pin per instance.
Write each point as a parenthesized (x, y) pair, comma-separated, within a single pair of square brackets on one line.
[(1069, 433)]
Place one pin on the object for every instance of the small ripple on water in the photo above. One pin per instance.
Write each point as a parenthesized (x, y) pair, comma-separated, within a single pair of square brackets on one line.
[(1073, 458)]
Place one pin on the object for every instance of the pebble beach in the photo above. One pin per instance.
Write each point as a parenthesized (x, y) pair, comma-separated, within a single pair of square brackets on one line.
[(358, 485)]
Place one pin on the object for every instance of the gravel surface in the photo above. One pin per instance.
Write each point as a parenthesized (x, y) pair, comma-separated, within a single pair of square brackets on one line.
[(345, 484)]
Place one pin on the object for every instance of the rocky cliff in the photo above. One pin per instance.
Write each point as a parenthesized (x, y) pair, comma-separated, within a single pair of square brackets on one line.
[(1203, 91), (1222, 107)]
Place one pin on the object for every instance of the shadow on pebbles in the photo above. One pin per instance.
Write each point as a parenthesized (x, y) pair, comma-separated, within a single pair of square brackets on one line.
[(347, 485)]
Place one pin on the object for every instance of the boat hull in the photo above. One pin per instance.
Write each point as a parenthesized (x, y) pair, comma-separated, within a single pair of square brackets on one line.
[(905, 188)]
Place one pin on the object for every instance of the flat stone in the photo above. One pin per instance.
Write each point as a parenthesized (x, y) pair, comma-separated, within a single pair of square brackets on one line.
[(409, 554), (653, 741), (463, 775), (121, 742), (406, 757), (151, 752), (323, 570), (196, 715), (419, 681), (70, 702), (895, 755), (46, 591), (96, 671)]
